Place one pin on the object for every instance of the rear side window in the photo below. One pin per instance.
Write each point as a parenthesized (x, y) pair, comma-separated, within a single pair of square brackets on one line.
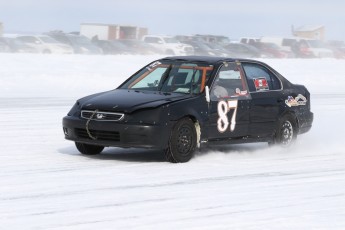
[(259, 78)]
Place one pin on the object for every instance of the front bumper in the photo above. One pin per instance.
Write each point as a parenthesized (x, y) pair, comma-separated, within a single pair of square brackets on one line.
[(116, 134)]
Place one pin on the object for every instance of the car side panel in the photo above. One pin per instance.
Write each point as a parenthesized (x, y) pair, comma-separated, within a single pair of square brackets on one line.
[(265, 109), (216, 119)]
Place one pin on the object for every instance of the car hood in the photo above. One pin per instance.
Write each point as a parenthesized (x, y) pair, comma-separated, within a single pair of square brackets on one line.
[(128, 101)]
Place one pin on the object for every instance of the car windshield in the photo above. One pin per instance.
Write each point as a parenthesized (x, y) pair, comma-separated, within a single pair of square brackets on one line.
[(170, 40), (215, 46), (272, 45), (203, 46), (79, 40), (223, 40), (48, 39), (171, 77)]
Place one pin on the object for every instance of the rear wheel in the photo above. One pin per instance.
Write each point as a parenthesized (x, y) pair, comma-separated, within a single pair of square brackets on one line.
[(286, 132), (182, 142), (89, 149)]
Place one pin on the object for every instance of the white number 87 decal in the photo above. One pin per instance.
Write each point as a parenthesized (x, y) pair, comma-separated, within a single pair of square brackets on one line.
[(223, 122)]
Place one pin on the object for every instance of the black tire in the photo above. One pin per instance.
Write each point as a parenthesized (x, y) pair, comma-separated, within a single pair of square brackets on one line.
[(286, 132), (182, 142), (87, 149)]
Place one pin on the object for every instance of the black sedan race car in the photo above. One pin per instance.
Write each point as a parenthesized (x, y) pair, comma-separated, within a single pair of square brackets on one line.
[(177, 104)]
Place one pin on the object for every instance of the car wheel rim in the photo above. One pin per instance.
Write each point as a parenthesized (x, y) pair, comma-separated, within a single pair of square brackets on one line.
[(184, 141), (287, 133)]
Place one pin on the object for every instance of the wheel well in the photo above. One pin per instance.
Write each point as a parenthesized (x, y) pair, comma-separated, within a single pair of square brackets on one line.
[(295, 119)]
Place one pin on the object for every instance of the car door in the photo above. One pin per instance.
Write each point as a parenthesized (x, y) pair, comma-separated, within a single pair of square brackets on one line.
[(266, 98), (229, 103)]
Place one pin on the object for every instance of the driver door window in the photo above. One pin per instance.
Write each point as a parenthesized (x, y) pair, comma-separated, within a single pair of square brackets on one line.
[(229, 83)]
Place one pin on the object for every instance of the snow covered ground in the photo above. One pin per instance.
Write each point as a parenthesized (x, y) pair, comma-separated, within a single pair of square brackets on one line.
[(46, 184)]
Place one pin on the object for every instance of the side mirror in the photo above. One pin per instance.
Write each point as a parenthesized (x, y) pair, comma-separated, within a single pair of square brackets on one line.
[(207, 94)]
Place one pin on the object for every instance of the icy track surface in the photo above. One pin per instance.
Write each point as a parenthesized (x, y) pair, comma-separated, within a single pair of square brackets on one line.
[(46, 184)]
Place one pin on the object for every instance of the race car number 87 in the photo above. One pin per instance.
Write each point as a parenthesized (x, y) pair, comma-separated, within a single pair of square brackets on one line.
[(223, 121)]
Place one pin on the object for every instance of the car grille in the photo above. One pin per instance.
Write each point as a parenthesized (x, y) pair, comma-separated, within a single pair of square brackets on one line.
[(99, 135), (102, 116)]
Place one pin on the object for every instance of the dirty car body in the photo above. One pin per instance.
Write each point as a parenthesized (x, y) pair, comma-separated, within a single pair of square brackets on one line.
[(176, 104)]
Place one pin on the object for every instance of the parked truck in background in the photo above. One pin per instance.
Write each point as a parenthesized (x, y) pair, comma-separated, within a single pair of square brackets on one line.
[(168, 45), (111, 31)]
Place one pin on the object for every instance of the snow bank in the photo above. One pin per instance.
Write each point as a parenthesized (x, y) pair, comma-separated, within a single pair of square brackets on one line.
[(36, 75)]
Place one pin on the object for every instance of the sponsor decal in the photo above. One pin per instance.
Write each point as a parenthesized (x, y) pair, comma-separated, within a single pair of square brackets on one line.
[(240, 92), (153, 65), (297, 101), (261, 84)]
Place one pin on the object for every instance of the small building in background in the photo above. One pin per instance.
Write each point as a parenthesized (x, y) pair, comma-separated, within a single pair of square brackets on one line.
[(310, 32), (111, 31)]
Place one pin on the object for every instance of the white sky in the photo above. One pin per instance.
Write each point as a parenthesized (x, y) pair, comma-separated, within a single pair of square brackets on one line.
[(222, 17)]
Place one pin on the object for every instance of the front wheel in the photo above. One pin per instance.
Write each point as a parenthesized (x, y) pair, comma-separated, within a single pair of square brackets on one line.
[(286, 132), (182, 142), (89, 149)]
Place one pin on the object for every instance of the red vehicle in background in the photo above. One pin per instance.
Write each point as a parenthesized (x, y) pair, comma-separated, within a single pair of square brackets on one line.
[(272, 50)]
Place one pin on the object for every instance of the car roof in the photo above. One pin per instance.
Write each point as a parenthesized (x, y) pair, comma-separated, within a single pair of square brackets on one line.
[(209, 59)]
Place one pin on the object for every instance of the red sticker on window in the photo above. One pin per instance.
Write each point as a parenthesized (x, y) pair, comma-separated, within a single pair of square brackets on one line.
[(261, 84)]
